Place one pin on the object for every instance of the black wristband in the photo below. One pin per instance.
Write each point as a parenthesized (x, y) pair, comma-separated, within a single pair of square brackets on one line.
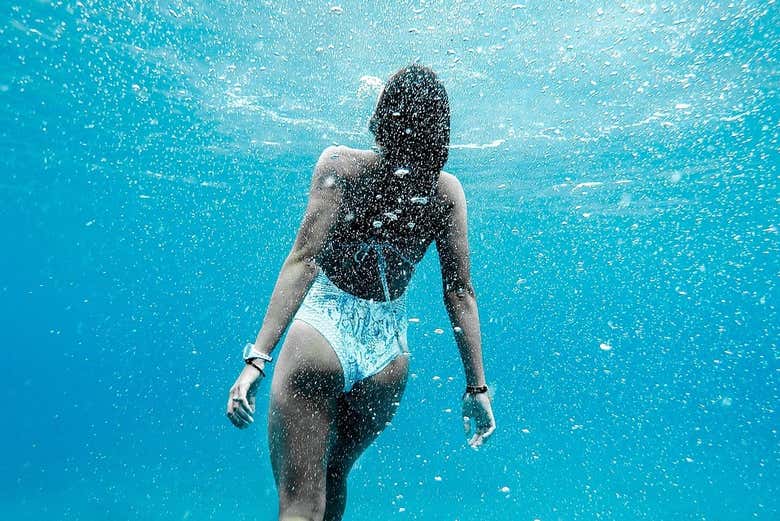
[(476, 389), (251, 362)]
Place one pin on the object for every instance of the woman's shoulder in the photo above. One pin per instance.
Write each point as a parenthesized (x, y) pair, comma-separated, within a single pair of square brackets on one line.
[(449, 189), (348, 163)]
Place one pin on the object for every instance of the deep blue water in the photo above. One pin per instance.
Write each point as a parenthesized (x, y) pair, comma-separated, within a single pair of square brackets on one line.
[(620, 163)]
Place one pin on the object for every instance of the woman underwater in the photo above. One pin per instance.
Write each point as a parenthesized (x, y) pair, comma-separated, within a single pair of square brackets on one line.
[(341, 372)]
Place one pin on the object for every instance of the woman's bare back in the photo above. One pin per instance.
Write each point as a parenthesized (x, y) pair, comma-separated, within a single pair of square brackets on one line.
[(377, 219)]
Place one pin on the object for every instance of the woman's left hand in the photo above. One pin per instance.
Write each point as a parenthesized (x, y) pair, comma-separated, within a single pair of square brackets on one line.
[(241, 399), (477, 408)]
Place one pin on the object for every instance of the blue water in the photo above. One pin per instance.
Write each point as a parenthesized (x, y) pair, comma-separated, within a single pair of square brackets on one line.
[(620, 162)]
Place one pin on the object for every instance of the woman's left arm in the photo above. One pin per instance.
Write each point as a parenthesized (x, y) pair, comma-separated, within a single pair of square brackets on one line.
[(294, 280), (461, 303)]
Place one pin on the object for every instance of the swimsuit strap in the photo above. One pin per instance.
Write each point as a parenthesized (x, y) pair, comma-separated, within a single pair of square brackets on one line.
[(379, 248), (382, 270)]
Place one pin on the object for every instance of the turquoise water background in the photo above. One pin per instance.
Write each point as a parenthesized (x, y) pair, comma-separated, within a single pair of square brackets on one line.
[(620, 162)]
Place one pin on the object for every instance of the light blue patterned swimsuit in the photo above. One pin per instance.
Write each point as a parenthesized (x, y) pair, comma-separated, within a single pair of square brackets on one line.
[(366, 335)]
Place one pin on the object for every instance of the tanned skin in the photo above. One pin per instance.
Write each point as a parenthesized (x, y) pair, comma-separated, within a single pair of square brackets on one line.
[(316, 431)]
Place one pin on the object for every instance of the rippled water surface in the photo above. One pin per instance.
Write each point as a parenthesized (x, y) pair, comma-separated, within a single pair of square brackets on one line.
[(620, 161)]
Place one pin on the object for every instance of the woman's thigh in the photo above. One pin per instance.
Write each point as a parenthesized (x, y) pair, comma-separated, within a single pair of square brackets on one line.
[(365, 411), (303, 406)]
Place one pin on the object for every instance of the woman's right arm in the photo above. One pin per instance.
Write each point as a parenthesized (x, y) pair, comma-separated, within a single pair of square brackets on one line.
[(295, 277), (461, 303), (300, 268)]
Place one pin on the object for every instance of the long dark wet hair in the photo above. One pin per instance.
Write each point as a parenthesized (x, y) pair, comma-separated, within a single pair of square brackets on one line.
[(411, 123)]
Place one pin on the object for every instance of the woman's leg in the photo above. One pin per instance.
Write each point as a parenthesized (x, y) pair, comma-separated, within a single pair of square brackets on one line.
[(363, 413), (301, 421)]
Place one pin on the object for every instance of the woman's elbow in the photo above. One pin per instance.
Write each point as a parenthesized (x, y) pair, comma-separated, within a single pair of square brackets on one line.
[(303, 259), (458, 294)]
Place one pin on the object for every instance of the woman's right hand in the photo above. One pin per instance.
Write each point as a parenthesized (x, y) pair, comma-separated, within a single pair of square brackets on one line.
[(477, 407), (241, 399)]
